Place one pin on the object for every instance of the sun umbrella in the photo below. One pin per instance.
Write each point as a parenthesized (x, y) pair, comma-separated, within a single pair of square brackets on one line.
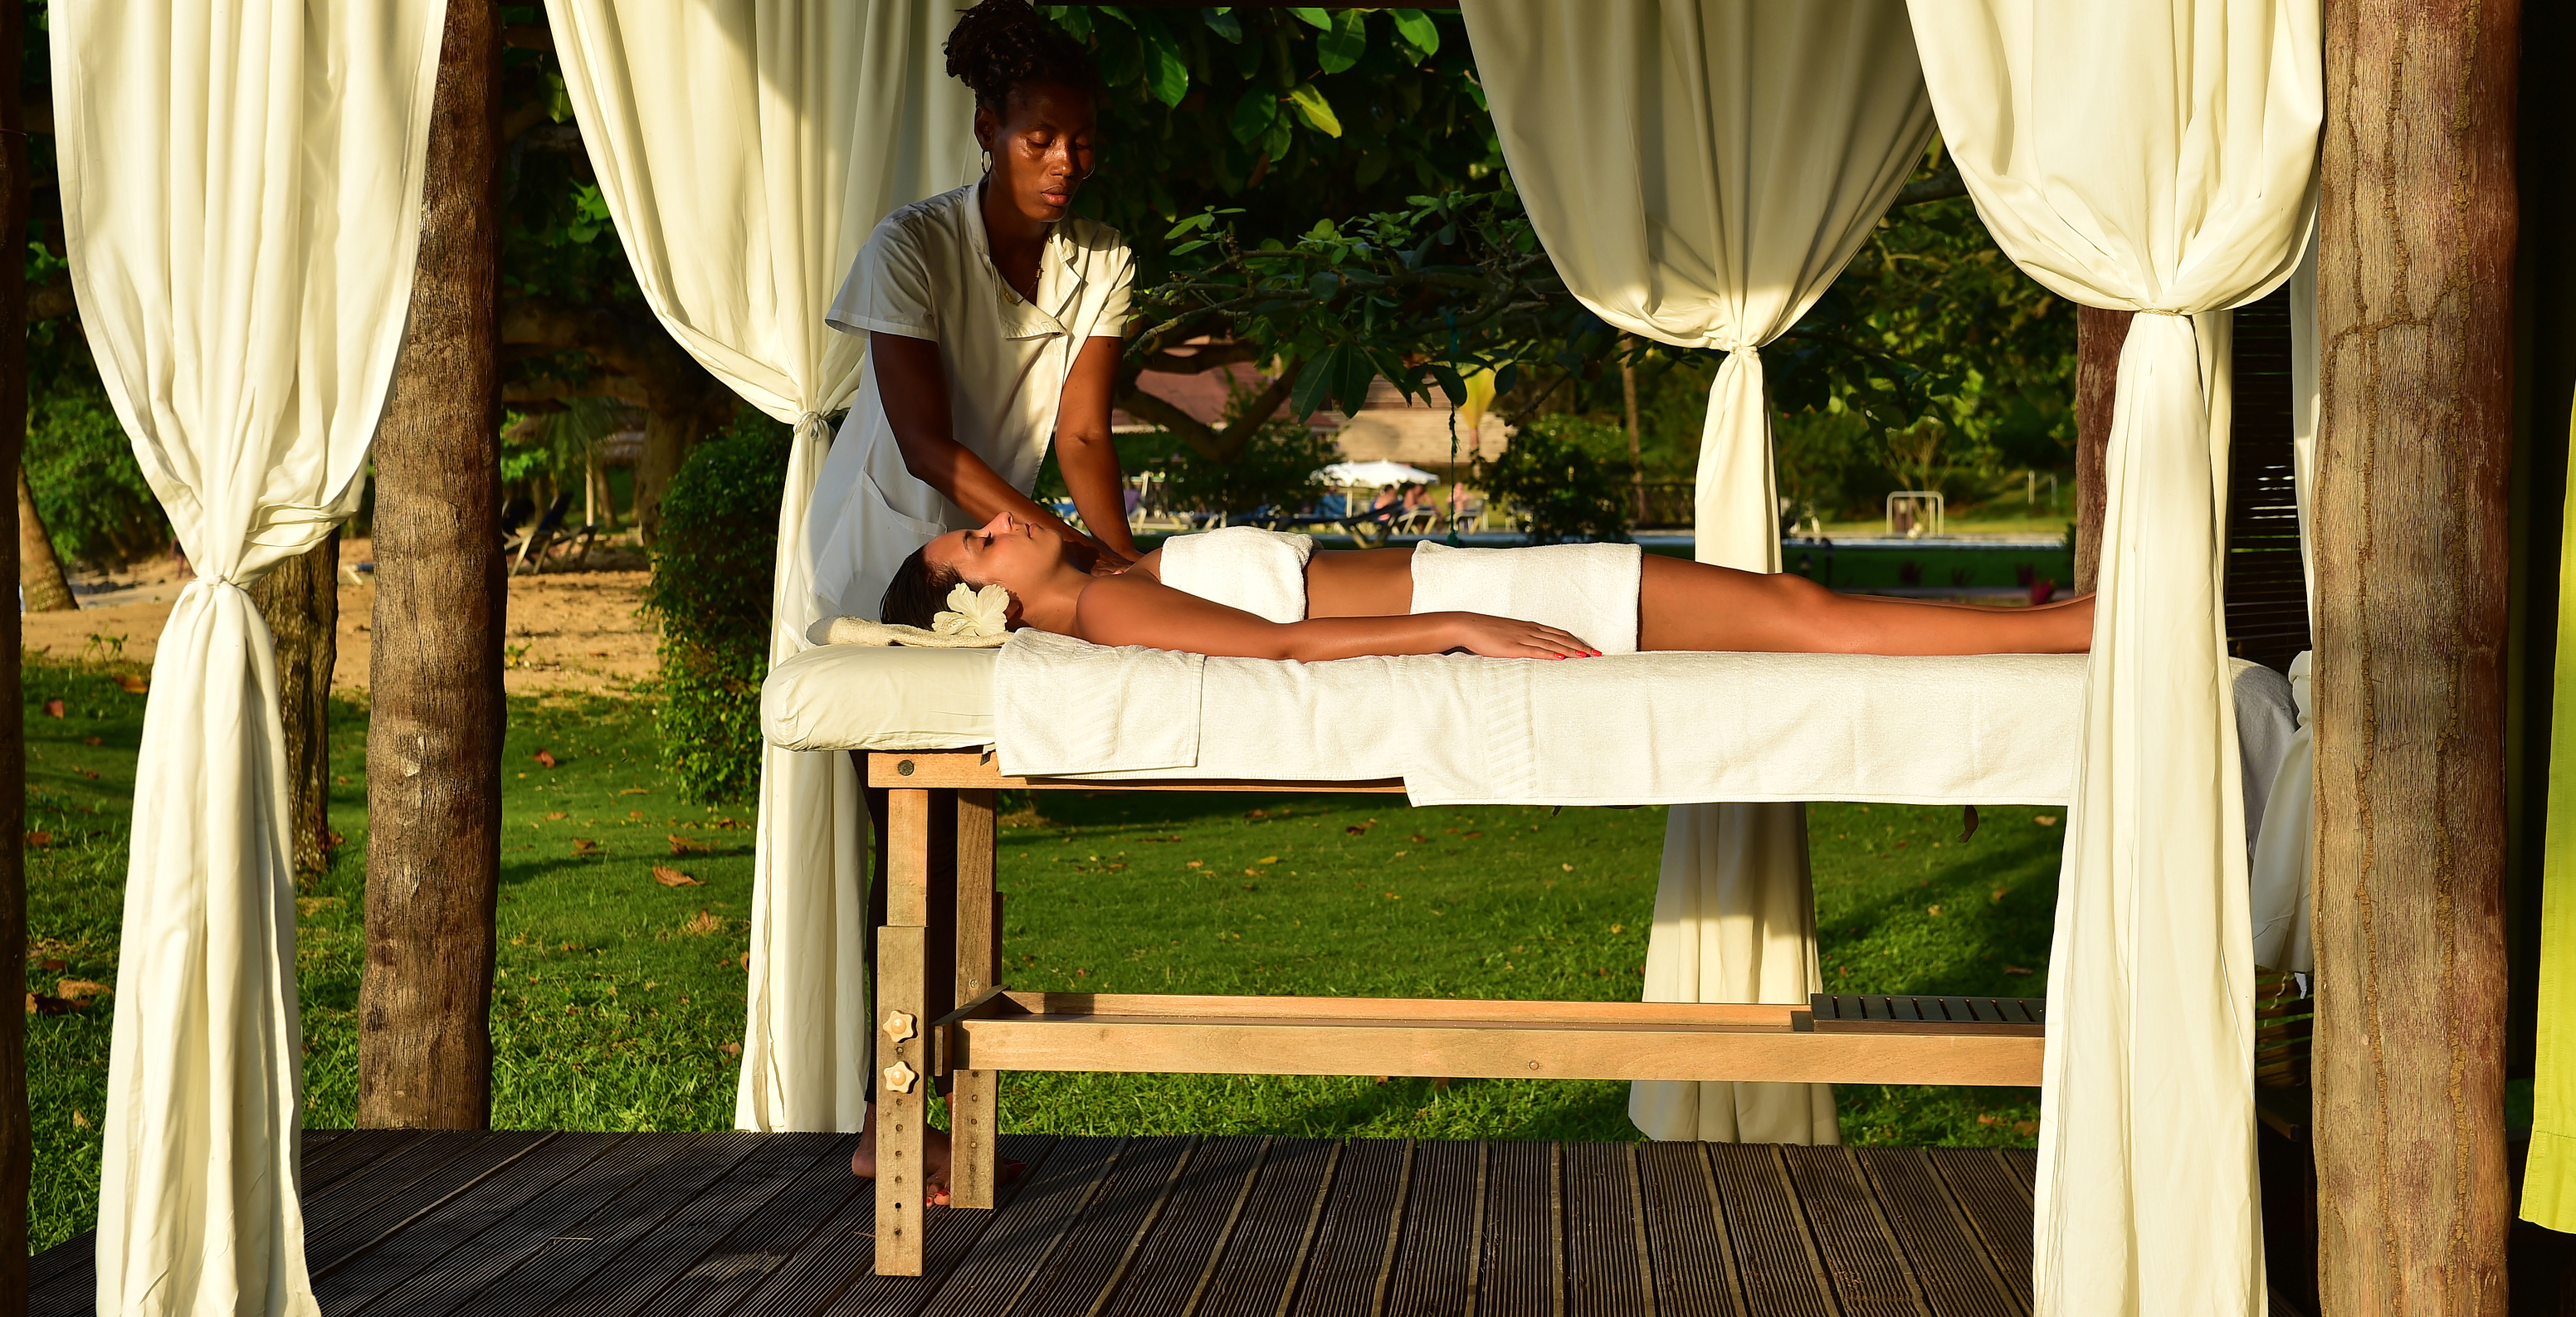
[(1377, 474)]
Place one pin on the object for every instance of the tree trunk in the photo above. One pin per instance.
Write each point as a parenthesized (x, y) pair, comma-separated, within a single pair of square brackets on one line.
[(1636, 446), (2415, 318), (40, 573), (17, 1152), (300, 600), (2098, 336), (434, 740)]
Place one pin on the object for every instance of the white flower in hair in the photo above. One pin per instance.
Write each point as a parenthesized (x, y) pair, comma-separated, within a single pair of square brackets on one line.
[(974, 612)]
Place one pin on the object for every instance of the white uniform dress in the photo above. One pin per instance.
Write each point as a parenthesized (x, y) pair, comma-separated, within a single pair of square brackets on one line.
[(927, 272)]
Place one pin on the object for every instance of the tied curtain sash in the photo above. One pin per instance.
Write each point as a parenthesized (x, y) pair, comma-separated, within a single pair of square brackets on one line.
[(746, 149), (241, 199), (1700, 171), (2147, 1197)]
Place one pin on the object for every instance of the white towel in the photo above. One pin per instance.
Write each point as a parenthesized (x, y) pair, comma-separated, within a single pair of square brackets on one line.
[(1587, 589), (1262, 572)]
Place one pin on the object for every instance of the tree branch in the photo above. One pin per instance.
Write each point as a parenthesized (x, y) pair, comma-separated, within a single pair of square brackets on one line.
[(1213, 444), (1940, 187)]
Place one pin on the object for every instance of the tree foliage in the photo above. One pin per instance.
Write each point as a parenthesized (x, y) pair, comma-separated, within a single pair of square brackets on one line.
[(710, 593), (1563, 477)]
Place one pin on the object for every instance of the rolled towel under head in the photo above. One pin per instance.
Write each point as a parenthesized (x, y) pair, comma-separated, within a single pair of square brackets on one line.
[(1262, 572), (1587, 589)]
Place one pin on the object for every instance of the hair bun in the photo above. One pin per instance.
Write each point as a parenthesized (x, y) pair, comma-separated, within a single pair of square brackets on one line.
[(1000, 45)]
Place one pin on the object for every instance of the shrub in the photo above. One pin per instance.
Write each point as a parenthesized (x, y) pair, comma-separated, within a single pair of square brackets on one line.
[(88, 487), (710, 591), (1565, 478), (1276, 469)]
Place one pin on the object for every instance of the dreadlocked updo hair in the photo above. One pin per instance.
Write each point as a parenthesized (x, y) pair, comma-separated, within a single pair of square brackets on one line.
[(918, 591), (1002, 44)]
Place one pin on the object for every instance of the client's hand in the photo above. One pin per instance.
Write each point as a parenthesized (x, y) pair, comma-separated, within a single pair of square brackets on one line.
[(1502, 637), (1110, 564)]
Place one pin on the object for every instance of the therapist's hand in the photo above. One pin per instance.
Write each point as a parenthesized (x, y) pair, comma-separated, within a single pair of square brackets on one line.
[(1110, 564)]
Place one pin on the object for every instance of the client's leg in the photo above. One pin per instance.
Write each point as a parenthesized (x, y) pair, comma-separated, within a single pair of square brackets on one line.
[(1687, 605)]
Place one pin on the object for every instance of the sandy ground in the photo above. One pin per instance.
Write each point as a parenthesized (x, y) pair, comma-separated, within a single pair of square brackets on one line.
[(570, 629)]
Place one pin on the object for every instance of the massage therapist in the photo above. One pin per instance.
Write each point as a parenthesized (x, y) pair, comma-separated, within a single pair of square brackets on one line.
[(994, 319)]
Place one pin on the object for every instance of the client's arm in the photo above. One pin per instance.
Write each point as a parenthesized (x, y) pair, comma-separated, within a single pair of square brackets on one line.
[(1133, 610)]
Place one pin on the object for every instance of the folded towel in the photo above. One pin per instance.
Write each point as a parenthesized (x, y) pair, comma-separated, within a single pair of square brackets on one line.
[(861, 631), (1262, 572), (1588, 589)]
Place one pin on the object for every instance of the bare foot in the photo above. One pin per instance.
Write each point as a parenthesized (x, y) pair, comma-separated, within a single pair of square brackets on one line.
[(934, 1155)]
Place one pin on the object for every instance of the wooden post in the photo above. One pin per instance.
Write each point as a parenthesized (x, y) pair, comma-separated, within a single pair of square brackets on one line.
[(903, 1031), (973, 1128), (17, 1151), (300, 601), (2417, 227), (2099, 335), (434, 740)]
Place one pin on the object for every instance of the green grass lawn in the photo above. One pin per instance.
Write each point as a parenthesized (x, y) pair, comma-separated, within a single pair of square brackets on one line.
[(617, 997)]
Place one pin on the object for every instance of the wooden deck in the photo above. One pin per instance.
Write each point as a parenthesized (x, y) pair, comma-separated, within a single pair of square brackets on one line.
[(740, 1225)]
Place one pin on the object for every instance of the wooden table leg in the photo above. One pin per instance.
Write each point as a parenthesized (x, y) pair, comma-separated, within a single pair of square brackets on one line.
[(903, 1079), (972, 1095)]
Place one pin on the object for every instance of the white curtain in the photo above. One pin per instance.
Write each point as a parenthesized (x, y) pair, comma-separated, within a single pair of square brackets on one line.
[(746, 148), (2157, 156), (1700, 171), (2285, 851), (241, 197)]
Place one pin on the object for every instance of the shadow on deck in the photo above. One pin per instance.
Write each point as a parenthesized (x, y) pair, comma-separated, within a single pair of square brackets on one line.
[(402, 1224)]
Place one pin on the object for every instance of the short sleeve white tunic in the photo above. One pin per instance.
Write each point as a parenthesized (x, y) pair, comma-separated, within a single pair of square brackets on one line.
[(927, 272)]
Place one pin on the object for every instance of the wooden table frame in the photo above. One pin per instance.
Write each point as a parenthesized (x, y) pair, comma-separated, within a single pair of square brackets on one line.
[(994, 1029)]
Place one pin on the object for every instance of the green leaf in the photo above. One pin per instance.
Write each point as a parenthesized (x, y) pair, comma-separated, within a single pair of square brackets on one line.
[(1313, 17), (1418, 31), (1342, 46), (1324, 286), (1166, 75), (1315, 383), (1351, 375), (1282, 133), (1224, 24), (1191, 224), (1451, 383), (1254, 114), (1075, 19), (1315, 110)]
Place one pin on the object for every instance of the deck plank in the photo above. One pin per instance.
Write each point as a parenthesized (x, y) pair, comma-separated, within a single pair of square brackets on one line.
[(1521, 1251), (1997, 1205), (567, 1263), (835, 1266), (362, 1279), (1444, 1214), (1268, 1252), (665, 1249), (1354, 1248), (2024, 1164), (478, 1155), (1695, 1272), (1782, 1273), (1860, 1251), (1606, 1262), (1008, 1257), (738, 1263), (1175, 1265), (462, 1275), (1941, 1247), (1080, 1275)]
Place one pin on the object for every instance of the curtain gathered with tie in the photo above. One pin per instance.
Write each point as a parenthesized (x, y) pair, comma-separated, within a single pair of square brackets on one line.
[(1700, 171), (2147, 1198), (745, 149), (241, 201)]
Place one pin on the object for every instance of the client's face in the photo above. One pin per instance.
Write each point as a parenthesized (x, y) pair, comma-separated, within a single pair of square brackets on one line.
[(1005, 551)]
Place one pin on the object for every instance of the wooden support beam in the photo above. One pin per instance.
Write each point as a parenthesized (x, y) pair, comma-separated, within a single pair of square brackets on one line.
[(1476, 1040), (902, 1025), (2417, 226), (974, 1128), (979, 770), (2099, 335), (434, 739), (17, 1154)]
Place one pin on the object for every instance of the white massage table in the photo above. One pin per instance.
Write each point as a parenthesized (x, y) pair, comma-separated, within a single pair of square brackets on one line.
[(943, 729)]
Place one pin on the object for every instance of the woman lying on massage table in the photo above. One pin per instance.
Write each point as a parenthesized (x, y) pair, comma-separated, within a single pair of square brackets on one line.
[(1360, 602)]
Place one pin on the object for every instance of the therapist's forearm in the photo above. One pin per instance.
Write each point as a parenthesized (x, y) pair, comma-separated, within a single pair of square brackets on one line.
[(1090, 466)]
